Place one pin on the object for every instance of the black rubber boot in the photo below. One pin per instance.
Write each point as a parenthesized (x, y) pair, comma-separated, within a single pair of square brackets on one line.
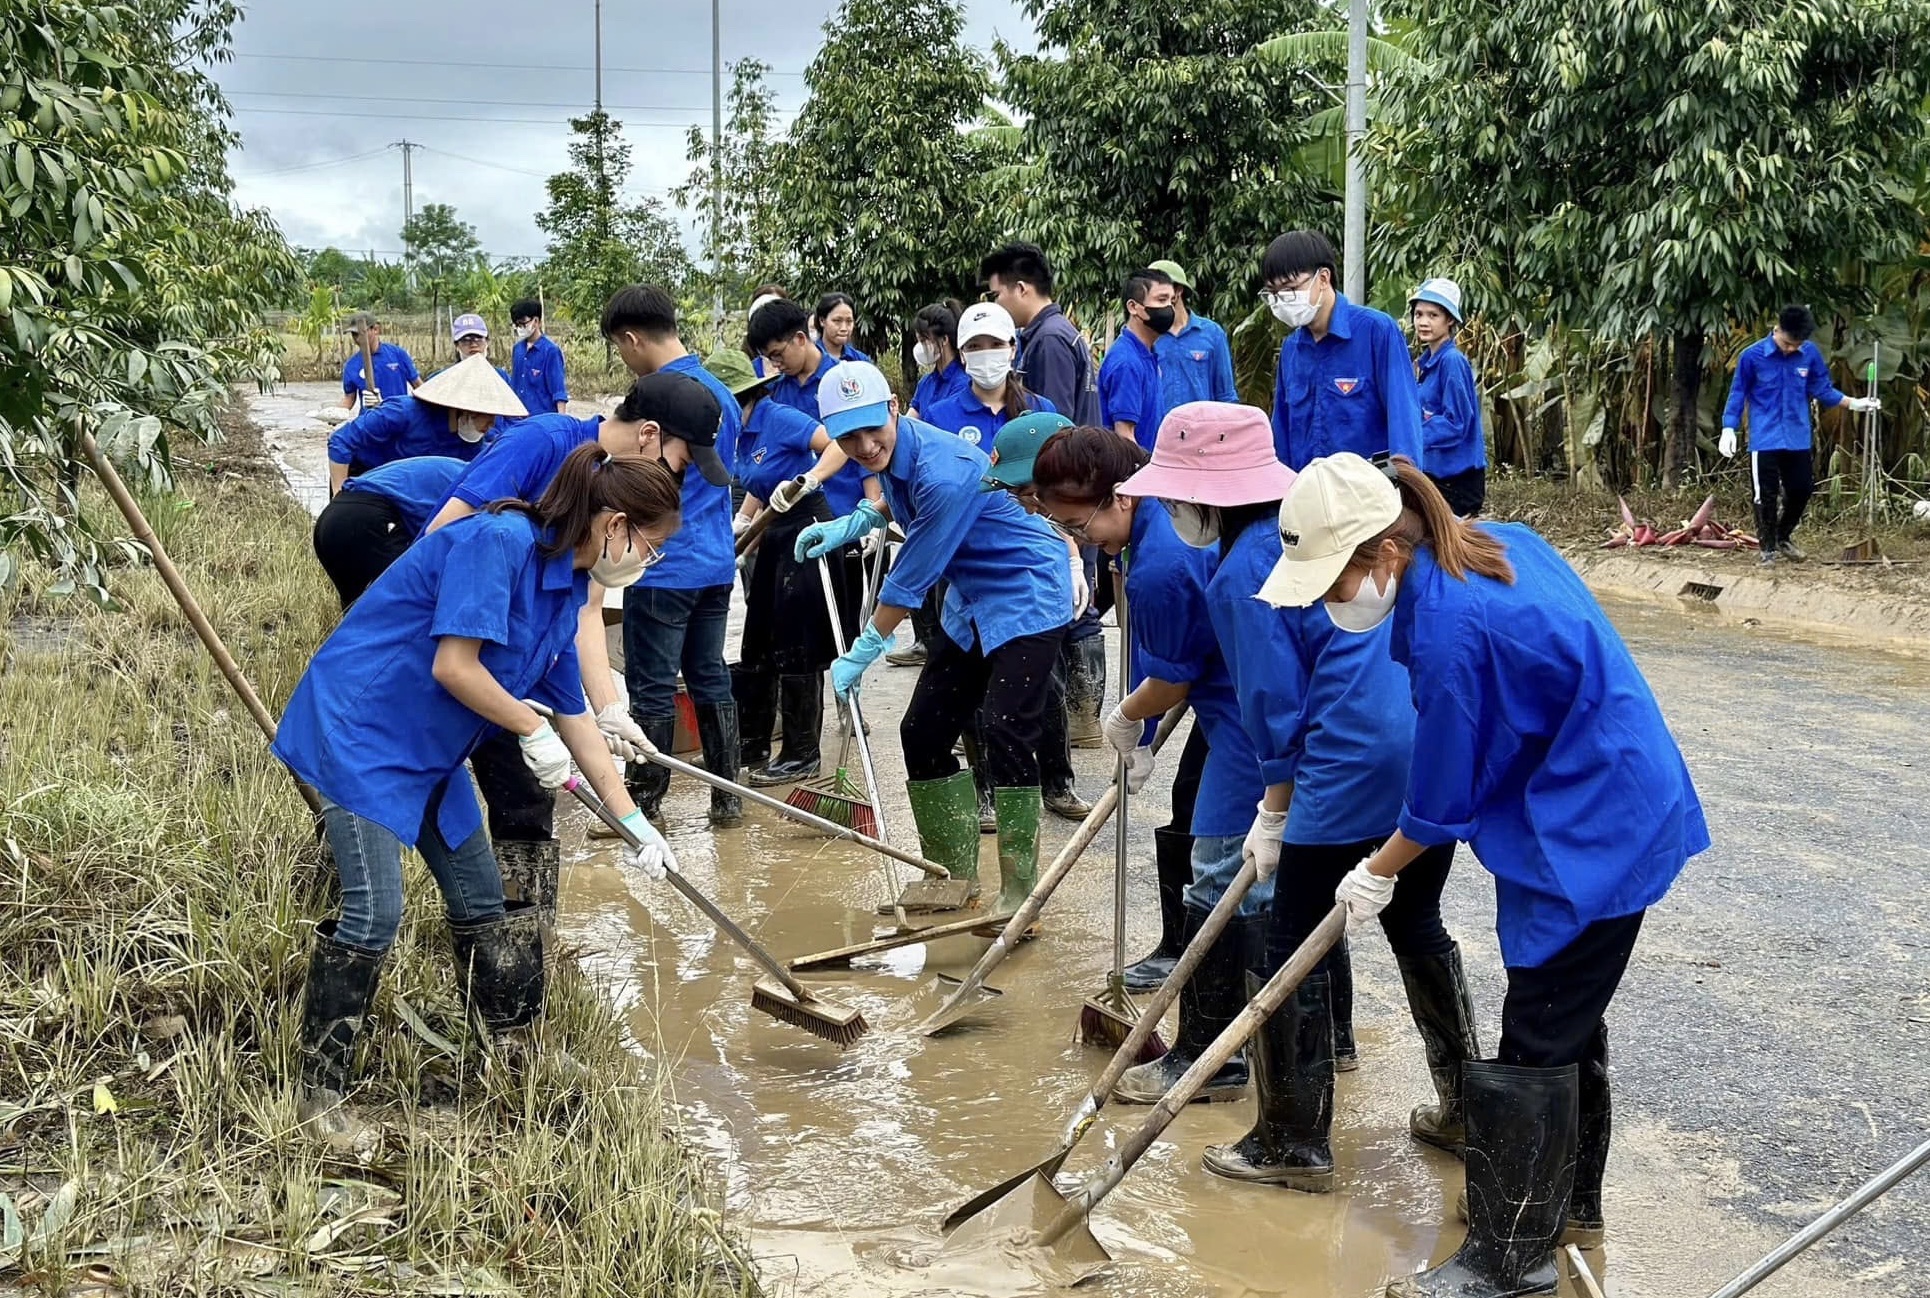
[(1292, 1058), (1085, 671), (801, 705), (1340, 972), (1437, 995), (648, 781), (530, 871), (1768, 531), (756, 695), (1173, 857), (499, 966), (1585, 1226), (1211, 999), (1521, 1170), (717, 731), (335, 1004)]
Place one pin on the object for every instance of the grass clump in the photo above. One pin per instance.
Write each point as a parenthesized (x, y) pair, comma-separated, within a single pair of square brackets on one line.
[(159, 882)]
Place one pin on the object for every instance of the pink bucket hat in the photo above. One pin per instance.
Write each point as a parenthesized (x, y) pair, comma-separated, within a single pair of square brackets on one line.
[(1212, 453)]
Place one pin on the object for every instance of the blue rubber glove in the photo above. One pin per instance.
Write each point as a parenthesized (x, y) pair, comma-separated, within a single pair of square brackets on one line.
[(851, 664), (822, 538)]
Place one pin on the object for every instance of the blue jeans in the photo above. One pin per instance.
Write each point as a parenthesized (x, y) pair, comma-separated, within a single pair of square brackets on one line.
[(664, 630), (1215, 862), (369, 859)]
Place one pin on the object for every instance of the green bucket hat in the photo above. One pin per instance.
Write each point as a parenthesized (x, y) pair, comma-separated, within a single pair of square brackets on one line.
[(732, 368), (1017, 447), (1174, 271)]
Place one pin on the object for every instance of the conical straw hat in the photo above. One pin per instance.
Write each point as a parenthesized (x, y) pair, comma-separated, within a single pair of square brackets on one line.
[(474, 385)]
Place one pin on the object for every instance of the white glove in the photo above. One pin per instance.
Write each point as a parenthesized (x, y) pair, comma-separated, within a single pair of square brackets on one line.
[(739, 524), (370, 398), (1081, 589), (624, 736), (547, 756), (1122, 732), (872, 542), (1262, 845), (1364, 894), (790, 491), (1139, 768), (1728, 444), (1863, 405), (651, 854)]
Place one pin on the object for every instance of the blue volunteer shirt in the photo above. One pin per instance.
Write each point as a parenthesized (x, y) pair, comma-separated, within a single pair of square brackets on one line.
[(1057, 364), (936, 386), (400, 428), (1450, 412), (976, 423), (1776, 390), (417, 487), (850, 354), (394, 372), (1545, 750), (1129, 388), (1008, 570), (536, 373), (775, 446), (1350, 391), (847, 484), (1195, 364), (702, 552), (1327, 710), (519, 464), (369, 726), (1173, 641)]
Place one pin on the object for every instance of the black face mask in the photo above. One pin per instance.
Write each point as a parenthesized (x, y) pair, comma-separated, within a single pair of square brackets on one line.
[(1159, 318)]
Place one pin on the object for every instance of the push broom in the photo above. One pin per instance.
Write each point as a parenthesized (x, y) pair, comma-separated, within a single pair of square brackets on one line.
[(1109, 1018), (840, 797)]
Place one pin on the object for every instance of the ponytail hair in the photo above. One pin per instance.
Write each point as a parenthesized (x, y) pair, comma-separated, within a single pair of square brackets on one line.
[(591, 481), (1085, 464), (1460, 547)]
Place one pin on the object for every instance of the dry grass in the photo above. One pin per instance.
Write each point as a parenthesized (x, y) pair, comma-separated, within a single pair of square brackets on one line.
[(158, 886)]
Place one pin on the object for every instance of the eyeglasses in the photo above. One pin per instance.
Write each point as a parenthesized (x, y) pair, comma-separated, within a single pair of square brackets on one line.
[(1078, 530), (1293, 289)]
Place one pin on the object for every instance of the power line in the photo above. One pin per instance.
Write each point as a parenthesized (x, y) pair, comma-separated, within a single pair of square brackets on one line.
[(470, 99), (314, 166), (433, 117), (513, 67)]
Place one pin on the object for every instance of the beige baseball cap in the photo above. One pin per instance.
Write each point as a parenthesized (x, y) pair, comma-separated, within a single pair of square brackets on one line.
[(1334, 504)]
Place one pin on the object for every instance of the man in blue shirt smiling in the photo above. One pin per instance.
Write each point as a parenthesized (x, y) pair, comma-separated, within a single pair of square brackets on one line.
[(1129, 383)]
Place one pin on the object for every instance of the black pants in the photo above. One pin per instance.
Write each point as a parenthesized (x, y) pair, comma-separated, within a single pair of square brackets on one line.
[(925, 618), (357, 536), (1466, 491), (1552, 1015), (1007, 692), (787, 629), (1186, 779), (1785, 478), (1303, 894), (519, 806)]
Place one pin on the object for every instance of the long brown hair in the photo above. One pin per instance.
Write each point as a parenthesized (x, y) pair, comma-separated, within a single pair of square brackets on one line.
[(1085, 464), (592, 480), (1427, 519)]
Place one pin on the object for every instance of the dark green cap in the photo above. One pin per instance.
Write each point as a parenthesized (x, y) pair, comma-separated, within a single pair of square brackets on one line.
[(1017, 446), (732, 368)]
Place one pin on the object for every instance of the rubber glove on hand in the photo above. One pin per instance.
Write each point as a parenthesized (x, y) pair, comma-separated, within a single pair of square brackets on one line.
[(1364, 894), (1123, 733), (739, 524), (1081, 588), (624, 736), (370, 398), (791, 491), (1728, 444), (546, 756), (1262, 846), (1139, 768), (1862, 405), (651, 854), (850, 665), (822, 538)]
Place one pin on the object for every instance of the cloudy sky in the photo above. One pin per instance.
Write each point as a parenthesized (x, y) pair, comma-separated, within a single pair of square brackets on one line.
[(322, 91)]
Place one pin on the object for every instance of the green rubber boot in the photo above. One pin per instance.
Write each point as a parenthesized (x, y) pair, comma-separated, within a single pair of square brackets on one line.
[(1018, 818), (946, 813)]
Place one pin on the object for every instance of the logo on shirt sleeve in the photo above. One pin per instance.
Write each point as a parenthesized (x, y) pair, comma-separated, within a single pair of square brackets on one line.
[(1346, 386)]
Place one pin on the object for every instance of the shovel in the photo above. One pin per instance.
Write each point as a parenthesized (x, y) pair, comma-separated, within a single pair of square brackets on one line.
[(1110, 1017)]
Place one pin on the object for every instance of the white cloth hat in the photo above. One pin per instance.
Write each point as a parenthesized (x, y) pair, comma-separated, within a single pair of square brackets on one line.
[(764, 301), (1442, 292), (1334, 504), (986, 320), (853, 395), (474, 385)]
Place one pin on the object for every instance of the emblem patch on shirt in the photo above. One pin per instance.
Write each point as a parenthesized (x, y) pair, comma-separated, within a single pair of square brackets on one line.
[(757, 456), (1346, 386), (970, 434), (1199, 356), (1802, 371)]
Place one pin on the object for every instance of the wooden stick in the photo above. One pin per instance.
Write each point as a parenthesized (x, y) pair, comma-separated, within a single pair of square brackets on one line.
[(908, 937)]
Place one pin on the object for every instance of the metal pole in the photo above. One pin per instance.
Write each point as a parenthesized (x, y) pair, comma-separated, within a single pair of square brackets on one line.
[(1354, 239), (408, 148), (717, 171)]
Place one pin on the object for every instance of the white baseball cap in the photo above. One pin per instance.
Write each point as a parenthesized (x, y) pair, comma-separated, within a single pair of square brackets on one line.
[(1334, 504), (986, 320), (853, 395)]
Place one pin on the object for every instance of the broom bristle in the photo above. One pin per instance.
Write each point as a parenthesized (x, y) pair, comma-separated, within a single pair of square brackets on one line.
[(838, 1024), (1102, 1024), (822, 798)]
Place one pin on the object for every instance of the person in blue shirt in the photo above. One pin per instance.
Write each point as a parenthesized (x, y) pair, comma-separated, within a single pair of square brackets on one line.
[(1327, 710), (470, 334), (784, 458), (1547, 754), (1345, 382), (1005, 616), (375, 517), (439, 652), (1195, 358), (1457, 453), (1776, 379), (395, 372), (994, 391), (936, 354), (677, 616), (835, 320), (779, 334), (1129, 383), (450, 415), (1054, 356), (536, 362)]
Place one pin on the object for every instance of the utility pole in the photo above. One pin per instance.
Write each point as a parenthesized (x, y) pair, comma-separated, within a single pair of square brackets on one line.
[(408, 148), (717, 171), (1354, 233), (599, 55)]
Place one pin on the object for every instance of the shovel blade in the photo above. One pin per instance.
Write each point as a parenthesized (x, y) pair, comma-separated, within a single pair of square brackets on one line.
[(986, 1198), (927, 896), (944, 1014), (1016, 1220)]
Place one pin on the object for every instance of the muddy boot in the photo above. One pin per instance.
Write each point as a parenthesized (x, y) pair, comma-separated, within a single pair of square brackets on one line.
[(801, 704), (341, 987), (529, 871), (1767, 531), (646, 781), (943, 810), (1292, 1059), (1340, 973), (499, 966), (1521, 1169), (1085, 669), (1173, 855), (756, 695), (968, 746), (1064, 802), (1211, 999), (1437, 995), (1585, 1227), (1788, 549), (1017, 811), (717, 730)]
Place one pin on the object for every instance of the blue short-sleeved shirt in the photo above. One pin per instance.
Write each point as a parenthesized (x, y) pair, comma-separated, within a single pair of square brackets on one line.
[(369, 726), (1173, 641), (1776, 390), (417, 487), (1353, 390), (846, 486), (975, 422), (776, 446), (394, 372), (519, 464), (850, 354), (536, 373), (1326, 709), (1008, 570), (401, 428), (938, 385), (1129, 388), (1195, 364), (1545, 750), (702, 552), (1450, 412)]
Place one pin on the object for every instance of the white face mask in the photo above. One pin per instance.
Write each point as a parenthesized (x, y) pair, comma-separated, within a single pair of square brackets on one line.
[(614, 574), (1294, 310), (523, 332), (924, 355), (472, 427), (988, 369), (1198, 526), (1368, 608)]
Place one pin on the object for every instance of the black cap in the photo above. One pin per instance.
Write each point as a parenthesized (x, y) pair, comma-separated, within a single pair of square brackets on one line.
[(684, 408)]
